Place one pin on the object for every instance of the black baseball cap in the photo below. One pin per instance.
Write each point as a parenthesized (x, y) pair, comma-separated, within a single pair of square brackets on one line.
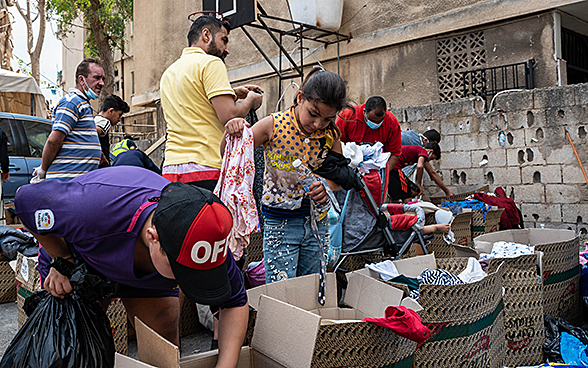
[(193, 227)]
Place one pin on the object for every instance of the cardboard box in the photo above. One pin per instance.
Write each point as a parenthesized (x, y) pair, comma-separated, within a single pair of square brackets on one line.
[(560, 269), (341, 330), (10, 214), (268, 342), (466, 321), (121, 361), (461, 227)]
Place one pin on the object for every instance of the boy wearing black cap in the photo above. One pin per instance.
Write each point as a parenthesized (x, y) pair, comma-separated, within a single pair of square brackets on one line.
[(148, 235)]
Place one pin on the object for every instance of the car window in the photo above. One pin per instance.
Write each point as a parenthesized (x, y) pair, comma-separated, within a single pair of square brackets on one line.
[(37, 134), (5, 126)]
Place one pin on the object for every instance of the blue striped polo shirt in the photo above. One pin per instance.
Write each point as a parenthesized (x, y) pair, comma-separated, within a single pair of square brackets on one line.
[(81, 150)]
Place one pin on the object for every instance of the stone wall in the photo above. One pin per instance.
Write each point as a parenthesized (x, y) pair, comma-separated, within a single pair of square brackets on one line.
[(537, 166)]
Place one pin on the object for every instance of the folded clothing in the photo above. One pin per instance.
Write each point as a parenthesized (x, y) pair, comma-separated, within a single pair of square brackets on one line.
[(504, 249)]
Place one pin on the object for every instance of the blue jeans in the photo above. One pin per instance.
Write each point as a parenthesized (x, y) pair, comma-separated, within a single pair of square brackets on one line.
[(290, 248)]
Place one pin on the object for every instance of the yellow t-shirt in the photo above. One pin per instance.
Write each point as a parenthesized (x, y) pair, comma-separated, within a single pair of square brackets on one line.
[(194, 132)]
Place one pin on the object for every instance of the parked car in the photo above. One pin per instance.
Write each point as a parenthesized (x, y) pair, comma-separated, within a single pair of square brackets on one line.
[(26, 138)]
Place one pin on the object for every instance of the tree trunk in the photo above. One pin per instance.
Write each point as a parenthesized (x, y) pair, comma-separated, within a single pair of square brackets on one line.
[(104, 50), (34, 52)]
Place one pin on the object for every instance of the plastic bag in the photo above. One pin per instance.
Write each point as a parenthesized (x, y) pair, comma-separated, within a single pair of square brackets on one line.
[(553, 331), (573, 351), (65, 333)]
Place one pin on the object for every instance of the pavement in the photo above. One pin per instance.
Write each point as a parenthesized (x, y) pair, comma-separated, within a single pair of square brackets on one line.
[(191, 344)]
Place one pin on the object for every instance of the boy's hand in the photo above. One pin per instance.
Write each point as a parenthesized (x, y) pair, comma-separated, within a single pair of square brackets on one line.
[(235, 127), (317, 192), (57, 284)]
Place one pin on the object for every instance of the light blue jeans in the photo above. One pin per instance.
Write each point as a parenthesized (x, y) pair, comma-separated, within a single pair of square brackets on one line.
[(290, 248)]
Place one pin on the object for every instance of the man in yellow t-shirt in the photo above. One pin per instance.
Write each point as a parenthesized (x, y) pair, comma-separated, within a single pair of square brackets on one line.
[(198, 101)]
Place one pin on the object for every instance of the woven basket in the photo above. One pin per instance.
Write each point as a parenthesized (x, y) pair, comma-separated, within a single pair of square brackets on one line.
[(467, 191), (189, 322), (466, 321), (117, 315), (561, 269), (481, 226), (523, 309), (7, 283), (255, 248), (461, 229)]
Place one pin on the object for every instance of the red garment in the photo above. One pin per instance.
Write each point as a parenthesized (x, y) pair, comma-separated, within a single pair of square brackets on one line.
[(402, 222), (354, 129), (510, 217), (404, 322), (410, 155)]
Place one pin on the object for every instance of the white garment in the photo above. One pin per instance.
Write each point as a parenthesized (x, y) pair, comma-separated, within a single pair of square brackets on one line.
[(386, 269), (503, 249), (102, 123), (374, 157), (473, 271), (352, 151)]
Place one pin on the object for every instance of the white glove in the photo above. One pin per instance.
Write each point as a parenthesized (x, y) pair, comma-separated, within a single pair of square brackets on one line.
[(38, 175)]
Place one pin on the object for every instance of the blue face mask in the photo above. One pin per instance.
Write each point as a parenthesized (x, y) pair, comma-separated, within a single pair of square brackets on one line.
[(89, 92), (370, 123), (373, 125)]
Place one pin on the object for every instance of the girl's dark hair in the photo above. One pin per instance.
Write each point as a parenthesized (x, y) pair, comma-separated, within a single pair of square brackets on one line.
[(321, 85)]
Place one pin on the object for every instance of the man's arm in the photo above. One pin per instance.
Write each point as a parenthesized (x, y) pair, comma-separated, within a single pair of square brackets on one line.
[(437, 179), (55, 283), (231, 334), (419, 170), (52, 146), (227, 108)]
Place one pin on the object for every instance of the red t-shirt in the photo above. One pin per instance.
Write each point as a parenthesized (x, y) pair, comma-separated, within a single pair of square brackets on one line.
[(410, 155), (356, 130)]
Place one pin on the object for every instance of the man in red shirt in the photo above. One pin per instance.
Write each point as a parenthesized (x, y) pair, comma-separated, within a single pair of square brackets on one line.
[(400, 186), (371, 123)]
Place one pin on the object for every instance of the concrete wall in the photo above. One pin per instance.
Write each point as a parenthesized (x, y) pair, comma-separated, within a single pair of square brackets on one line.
[(392, 52), (536, 167)]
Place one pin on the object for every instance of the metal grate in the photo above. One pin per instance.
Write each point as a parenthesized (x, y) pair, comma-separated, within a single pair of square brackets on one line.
[(575, 53), (454, 56), (487, 82)]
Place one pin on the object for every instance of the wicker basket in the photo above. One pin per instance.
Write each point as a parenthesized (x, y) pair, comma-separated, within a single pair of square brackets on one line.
[(490, 224), (561, 270), (7, 283), (523, 309), (466, 321)]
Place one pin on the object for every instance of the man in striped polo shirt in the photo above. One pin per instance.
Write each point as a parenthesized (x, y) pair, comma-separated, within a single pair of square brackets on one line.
[(73, 147)]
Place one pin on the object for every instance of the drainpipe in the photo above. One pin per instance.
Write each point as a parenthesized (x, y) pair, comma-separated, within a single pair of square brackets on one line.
[(557, 46)]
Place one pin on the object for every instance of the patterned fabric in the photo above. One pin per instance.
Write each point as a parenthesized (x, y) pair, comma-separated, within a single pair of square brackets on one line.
[(473, 204), (235, 189), (435, 277), (503, 249), (281, 187), (81, 150)]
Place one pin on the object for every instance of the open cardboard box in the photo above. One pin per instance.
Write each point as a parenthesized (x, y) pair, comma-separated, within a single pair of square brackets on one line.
[(484, 243), (341, 330), (280, 340), (466, 320)]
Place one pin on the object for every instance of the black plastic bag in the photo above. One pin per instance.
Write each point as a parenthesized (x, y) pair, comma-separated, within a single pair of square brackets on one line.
[(65, 333), (553, 330)]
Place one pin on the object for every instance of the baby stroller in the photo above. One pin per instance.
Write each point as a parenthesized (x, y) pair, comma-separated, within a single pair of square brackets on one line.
[(370, 235)]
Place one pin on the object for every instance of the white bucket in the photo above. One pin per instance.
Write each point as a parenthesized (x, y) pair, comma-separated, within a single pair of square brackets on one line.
[(324, 14)]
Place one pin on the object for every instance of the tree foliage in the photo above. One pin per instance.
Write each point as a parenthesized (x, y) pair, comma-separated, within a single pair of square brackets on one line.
[(104, 21)]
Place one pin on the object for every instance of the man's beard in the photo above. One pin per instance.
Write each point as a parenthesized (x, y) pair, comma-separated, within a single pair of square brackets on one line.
[(213, 50)]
